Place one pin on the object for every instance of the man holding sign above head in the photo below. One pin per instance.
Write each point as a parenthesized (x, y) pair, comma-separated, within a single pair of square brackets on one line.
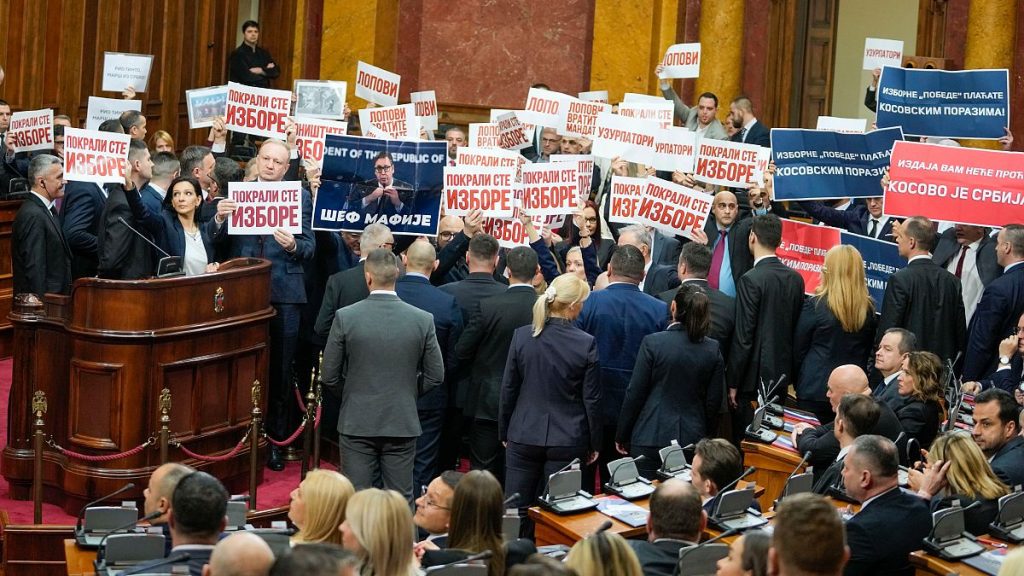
[(702, 118), (123, 255), (865, 219), (748, 129)]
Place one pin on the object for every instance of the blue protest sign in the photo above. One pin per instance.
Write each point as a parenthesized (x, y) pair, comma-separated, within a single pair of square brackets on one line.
[(819, 164), (881, 259), (944, 104), (366, 180)]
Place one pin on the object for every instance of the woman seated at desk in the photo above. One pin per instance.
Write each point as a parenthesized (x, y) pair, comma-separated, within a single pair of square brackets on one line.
[(921, 410)]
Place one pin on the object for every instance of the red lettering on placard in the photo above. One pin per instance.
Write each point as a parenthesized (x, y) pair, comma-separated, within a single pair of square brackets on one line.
[(378, 84)]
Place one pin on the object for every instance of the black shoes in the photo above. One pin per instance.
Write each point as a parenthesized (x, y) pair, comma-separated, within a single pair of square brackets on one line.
[(275, 462)]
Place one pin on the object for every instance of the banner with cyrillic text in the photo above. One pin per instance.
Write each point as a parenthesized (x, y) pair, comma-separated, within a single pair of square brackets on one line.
[(426, 108), (681, 61), (633, 97), (672, 208), (264, 207), (660, 112), (581, 119), (584, 170), (310, 134), (815, 164), (550, 189), (490, 190), (729, 163), (803, 249), (123, 70), (257, 111), (965, 185), (509, 232), (484, 135), (392, 122), (528, 128), (675, 149), (881, 259), (102, 109), (93, 156), (511, 134), (625, 198), (843, 125), (943, 104), (376, 85), (879, 53), (32, 130), (594, 96), (545, 108), (618, 136), (491, 158)]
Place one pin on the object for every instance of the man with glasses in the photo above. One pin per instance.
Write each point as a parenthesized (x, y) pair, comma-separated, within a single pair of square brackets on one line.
[(382, 195), (1001, 304), (434, 507)]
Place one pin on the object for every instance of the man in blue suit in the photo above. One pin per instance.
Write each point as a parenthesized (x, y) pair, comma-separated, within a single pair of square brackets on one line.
[(619, 317), (865, 219), (166, 167), (415, 288), (1002, 303)]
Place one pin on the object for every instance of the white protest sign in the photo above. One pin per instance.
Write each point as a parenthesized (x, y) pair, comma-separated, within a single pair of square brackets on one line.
[(32, 130), (257, 111), (490, 158), (660, 111), (581, 118), (879, 53), (675, 149), (205, 104), (545, 108), (528, 128), (843, 125), (123, 70), (310, 134), (102, 109), (490, 190), (631, 140), (681, 61), (594, 96), (376, 85), (729, 163), (550, 189), (426, 108), (633, 97), (625, 198), (673, 208), (394, 122), (483, 135), (511, 134), (584, 169), (508, 232), (93, 156), (263, 207)]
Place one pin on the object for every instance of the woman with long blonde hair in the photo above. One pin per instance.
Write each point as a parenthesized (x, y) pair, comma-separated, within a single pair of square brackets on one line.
[(317, 507), (836, 327), (604, 554), (378, 529)]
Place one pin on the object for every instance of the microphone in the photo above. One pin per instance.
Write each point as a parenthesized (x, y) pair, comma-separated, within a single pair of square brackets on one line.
[(511, 500), (101, 551), (807, 456), (81, 514), (613, 482), (143, 236), (725, 534), (605, 526), (730, 486), (547, 485)]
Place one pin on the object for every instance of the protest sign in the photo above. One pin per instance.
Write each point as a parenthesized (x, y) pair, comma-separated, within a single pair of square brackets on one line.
[(263, 207), (205, 104), (633, 97), (550, 189), (545, 108), (941, 104), (509, 232), (728, 163), (491, 158), (93, 156), (879, 53), (844, 125), (320, 99), (672, 208), (584, 169), (675, 148), (353, 194), (102, 109), (489, 190), (803, 249), (123, 70), (815, 165), (376, 85), (681, 61), (660, 112), (528, 128), (881, 259), (511, 134), (257, 111), (618, 136), (32, 130), (426, 108), (309, 137), (484, 135), (966, 185), (625, 198), (581, 118), (391, 122), (594, 96)]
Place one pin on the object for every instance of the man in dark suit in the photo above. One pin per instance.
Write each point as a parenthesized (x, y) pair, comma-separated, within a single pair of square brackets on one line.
[(694, 263), (81, 211), (40, 258), (349, 286), (768, 302), (433, 512), (997, 432), (166, 168), (383, 194), (657, 277), (748, 129), (727, 239), (664, 249), (619, 317), (923, 297), (865, 219), (483, 347), (808, 538), (415, 288), (894, 346), (379, 369), (716, 464), (969, 253), (123, 254), (676, 521), (855, 416), (1002, 303)]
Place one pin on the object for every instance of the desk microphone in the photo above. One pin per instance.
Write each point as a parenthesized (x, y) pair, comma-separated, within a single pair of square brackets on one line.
[(730, 486), (807, 456), (613, 482), (547, 486), (176, 558), (169, 265), (81, 514), (725, 534), (511, 500), (143, 236), (605, 526), (101, 552)]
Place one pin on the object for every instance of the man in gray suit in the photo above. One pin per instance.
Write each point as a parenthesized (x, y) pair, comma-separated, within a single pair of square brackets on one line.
[(702, 118), (381, 355)]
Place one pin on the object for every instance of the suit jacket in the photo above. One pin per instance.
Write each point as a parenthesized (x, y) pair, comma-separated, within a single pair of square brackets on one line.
[(381, 356), (286, 280), (660, 278), (768, 302), (1001, 305), (166, 229), (40, 258), (152, 199), (920, 420), (661, 557), (1008, 462), (81, 211), (688, 116), (888, 394), (947, 248), (758, 134), (418, 291), (619, 317), (343, 289), (822, 345), (856, 219), (484, 346), (740, 257), (469, 292), (876, 548), (123, 255), (550, 391), (824, 447), (1007, 379), (723, 312), (665, 250), (675, 391), (926, 299), (830, 478)]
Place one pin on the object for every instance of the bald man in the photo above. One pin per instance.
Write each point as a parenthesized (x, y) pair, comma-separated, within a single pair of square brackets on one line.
[(415, 288), (821, 440), (727, 238), (241, 554), (676, 521)]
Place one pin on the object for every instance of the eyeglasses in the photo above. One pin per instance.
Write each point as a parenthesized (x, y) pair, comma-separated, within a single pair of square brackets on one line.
[(382, 169), (590, 220), (446, 235), (427, 501)]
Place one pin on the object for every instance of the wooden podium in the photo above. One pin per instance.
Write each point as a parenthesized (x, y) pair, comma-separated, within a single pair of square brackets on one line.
[(103, 355)]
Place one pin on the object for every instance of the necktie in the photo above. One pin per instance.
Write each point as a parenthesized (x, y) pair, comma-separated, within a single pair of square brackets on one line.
[(743, 135), (874, 229), (960, 262), (716, 260), (53, 210)]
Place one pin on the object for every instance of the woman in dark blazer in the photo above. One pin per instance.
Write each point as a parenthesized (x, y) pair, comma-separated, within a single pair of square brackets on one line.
[(586, 224), (921, 394), (550, 409), (677, 384), (836, 327)]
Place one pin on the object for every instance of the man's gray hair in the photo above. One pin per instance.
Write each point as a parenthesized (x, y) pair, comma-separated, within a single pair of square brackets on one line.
[(40, 164), (373, 236), (640, 234)]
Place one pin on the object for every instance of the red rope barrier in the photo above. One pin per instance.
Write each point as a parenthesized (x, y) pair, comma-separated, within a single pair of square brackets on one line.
[(298, 398), (234, 452), (103, 458), (290, 439)]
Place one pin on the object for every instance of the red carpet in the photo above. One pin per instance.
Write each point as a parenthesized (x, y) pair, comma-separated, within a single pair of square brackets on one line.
[(272, 493)]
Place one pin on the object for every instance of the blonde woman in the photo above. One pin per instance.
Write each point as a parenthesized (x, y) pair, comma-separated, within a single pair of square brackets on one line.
[(1013, 564), (378, 529), (550, 396), (603, 554), (836, 327), (161, 141), (920, 392), (318, 506)]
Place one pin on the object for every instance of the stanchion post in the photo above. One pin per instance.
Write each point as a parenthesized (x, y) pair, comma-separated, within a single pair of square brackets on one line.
[(39, 407), (254, 443), (165, 423), (318, 383), (310, 425)]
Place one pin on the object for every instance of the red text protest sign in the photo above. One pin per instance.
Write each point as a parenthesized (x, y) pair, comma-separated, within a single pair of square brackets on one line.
[(618, 136), (511, 133), (966, 185), (581, 117), (673, 208), (660, 111), (390, 122), (484, 135), (546, 108), (550, 189), (729, 163), (92, 156), (310, 134), (803, 249), (257, 111), (489, 190), (32, 130), (490, 158), (264, 207), (584, 169), (426, 108), (681, 61), (625, 198), (376, 85), (594, 96)]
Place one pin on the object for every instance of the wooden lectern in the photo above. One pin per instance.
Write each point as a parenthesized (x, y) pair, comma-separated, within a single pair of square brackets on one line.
[(103, 355)]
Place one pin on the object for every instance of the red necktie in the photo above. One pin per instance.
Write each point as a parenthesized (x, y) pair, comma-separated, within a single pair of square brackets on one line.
[(960, 262), (716, 260)]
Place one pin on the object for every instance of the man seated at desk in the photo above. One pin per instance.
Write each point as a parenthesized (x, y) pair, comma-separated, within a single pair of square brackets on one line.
[(716, 464), (676, 521), (158, 495)]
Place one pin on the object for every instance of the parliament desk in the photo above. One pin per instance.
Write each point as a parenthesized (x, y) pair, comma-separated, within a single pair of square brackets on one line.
[(79, 560), (773, 463)]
